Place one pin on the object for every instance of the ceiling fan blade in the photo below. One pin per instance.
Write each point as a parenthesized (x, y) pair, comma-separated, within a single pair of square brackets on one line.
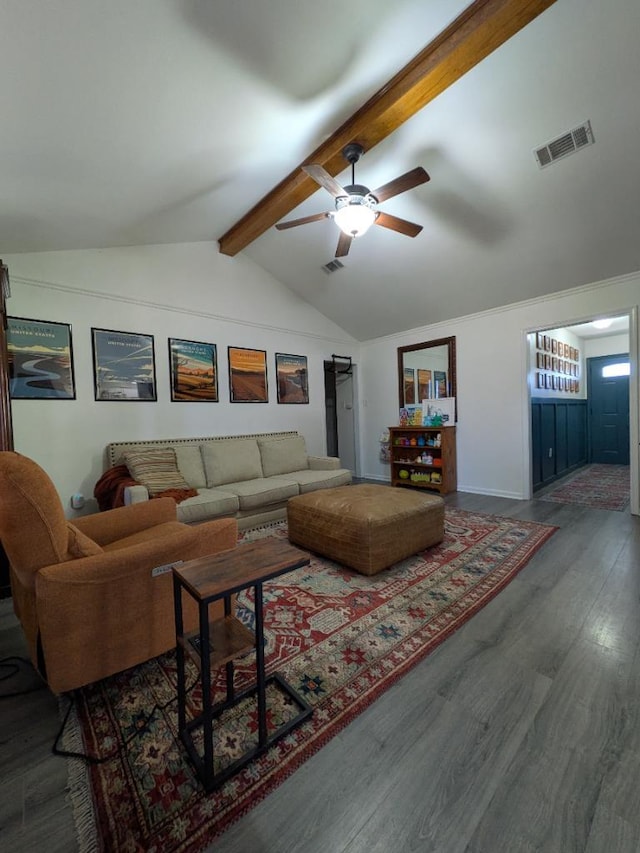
[(322, 177), (344, 244), (315, 217), (402, 226), (400, 185)]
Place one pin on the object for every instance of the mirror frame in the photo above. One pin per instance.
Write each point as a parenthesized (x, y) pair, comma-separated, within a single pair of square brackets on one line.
[(450, 343)]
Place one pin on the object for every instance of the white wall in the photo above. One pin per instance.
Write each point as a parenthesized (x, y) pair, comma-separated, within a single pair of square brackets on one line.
[(610, 345), (187, 291), (492, 379)]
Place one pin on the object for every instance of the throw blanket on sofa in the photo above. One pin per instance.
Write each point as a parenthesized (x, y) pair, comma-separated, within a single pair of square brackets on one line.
[(109, 490)]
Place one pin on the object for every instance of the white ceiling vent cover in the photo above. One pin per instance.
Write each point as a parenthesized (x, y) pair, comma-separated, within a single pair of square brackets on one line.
[(564, 145), (333, 266)]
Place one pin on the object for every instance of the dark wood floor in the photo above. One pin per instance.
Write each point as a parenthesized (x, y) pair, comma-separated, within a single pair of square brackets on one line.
[(520, 733)]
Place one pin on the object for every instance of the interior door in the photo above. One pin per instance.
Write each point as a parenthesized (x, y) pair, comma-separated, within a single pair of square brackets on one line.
[(608, 411)]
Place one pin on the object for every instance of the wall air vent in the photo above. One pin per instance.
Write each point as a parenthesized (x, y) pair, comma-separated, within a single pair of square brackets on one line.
[(333, 266), (564, 145)]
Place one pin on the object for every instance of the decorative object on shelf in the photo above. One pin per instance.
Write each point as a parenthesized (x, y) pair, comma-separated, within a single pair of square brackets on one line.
[(247, 375), (385, 449), (124, 366), (439, 412), (193, 371), (40, 356)]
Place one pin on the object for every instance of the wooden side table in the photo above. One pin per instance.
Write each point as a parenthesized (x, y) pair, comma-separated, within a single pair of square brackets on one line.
[(209, 579)]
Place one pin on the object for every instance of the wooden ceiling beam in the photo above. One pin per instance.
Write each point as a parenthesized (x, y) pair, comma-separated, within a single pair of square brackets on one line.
[(477, 32)]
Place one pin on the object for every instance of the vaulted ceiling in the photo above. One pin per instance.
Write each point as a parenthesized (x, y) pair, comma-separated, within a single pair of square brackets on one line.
[(168, 120)]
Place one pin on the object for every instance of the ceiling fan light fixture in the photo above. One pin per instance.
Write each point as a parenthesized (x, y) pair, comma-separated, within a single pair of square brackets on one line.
[(355, 214)]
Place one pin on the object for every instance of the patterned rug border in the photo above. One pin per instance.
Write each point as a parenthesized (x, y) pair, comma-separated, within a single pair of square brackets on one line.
[(79, 784), (618, 503)]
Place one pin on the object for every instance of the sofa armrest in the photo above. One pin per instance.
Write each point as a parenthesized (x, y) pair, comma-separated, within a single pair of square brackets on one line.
[(135, 494), (107, 527), (324, 463)]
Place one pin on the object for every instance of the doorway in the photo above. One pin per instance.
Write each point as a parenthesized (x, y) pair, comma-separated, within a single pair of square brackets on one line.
[(608, 409), (339, 396)]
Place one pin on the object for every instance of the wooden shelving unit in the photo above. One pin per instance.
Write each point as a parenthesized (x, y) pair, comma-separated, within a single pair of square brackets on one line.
[(424, 457)]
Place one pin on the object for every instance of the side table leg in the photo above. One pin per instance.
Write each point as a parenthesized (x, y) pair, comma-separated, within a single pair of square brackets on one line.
[(205, 680), (260, 675), (177, 607)]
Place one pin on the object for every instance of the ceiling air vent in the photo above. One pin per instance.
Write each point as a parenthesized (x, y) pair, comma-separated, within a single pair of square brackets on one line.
[(564, 145), (333, 266)]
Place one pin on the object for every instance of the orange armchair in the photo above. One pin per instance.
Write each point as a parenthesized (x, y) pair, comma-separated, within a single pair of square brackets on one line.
[(95, 596)]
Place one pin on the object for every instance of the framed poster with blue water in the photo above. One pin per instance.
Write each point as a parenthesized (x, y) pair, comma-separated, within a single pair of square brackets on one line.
[(40, 355), (292, 378), (124, 366)]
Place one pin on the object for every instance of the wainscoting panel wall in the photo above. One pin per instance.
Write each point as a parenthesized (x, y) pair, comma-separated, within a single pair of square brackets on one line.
[(558, 438)]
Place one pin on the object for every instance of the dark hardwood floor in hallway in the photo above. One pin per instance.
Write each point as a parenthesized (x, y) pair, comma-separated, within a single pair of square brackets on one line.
[(520, 733)]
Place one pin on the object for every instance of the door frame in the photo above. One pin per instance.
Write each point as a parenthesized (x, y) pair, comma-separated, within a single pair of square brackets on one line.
[(634, 410)]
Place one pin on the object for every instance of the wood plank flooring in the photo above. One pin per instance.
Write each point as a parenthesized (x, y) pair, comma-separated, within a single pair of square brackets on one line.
[(520, 733)]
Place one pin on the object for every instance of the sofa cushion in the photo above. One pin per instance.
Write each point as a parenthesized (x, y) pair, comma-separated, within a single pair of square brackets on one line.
[(156, 469), (190, 465), (210, 503), (231, 461), (256, 494), (282, 455), (80, 545), (309, 481)]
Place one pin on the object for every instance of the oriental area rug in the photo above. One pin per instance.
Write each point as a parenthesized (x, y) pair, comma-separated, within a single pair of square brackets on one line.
[(596, 487), (339, 638)]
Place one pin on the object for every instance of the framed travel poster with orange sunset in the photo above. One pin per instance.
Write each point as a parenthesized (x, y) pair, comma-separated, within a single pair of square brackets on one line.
[(193, 371), (248, 375)]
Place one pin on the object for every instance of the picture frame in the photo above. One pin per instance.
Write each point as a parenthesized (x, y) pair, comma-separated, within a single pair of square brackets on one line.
[(409, 379), (193, 371), (40, 360), (440, 384), (539, 380), (539, 360), (424, 383), (292, 378), (554, 346), (539, 340), (124, 366), (247, 375), (547, 342), (567, 350)]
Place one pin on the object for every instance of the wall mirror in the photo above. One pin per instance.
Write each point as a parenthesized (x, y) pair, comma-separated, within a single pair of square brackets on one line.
[(427, 370)]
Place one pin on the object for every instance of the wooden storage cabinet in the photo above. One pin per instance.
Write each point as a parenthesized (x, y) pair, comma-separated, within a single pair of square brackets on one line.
[(427, 455)]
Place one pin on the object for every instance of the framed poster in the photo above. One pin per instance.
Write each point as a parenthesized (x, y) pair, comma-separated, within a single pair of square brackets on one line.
[(409, 386), (193, 371), (440, 383), (248, 375), (292, 378), (124, 367), (424, 384), (40, 356)]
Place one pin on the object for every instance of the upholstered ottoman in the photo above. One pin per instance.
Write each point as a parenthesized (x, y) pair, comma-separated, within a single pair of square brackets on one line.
[(366, 527)]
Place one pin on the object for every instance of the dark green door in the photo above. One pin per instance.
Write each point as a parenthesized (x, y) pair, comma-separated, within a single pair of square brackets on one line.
[(608, 411)]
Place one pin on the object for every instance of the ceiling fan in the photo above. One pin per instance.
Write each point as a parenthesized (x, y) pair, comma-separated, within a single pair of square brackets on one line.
[(357, 205)]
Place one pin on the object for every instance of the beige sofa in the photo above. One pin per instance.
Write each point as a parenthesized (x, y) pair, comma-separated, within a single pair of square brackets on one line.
[(246, 477)]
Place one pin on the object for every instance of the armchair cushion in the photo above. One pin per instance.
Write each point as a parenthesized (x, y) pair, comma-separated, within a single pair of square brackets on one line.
[(156, 469)]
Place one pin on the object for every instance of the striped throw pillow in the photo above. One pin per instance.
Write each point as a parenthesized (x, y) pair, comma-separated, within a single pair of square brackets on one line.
[(155, 469)]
